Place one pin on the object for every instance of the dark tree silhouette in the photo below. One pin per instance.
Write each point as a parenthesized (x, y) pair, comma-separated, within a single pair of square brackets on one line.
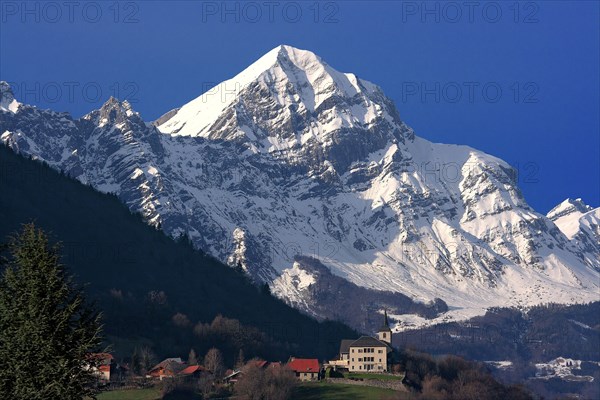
[(47, 330)]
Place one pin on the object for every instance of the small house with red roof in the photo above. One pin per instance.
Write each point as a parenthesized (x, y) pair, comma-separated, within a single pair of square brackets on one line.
[(306, 369), (168, 368), (193, 372), (192, 369), (104, 362)]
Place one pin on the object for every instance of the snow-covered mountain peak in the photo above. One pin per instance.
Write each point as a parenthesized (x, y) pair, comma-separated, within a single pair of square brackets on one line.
[(113, 112), (294, 106), (578, 221), (569, 206), (281, 71), (7, 98), (306, 69)]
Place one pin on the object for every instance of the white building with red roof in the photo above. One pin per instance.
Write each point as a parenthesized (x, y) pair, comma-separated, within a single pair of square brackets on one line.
[(306, 369)]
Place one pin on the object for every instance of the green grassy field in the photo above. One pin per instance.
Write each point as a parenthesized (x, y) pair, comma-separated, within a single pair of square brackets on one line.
[(379, 377), (132, 394), (337, 391), (304, 391)]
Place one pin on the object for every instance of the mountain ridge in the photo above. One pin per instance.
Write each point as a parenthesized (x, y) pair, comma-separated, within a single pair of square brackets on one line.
[(342, 179)]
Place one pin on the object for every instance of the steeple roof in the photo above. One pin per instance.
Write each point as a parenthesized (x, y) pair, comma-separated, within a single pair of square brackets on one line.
[(386, 323)]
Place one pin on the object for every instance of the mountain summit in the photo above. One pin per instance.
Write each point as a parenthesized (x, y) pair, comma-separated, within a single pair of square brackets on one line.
[(290, 103), (308, 179), (568, 207), (580, 223)]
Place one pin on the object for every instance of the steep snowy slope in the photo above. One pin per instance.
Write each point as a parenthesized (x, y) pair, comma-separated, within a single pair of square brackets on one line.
[(290, 158), (567, 216), (581, 224)]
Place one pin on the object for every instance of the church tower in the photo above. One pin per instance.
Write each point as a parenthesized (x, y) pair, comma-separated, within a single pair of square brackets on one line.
[(385, 333)]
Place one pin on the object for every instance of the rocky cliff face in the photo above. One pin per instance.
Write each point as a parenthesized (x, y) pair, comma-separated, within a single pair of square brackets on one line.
[(293, 158)]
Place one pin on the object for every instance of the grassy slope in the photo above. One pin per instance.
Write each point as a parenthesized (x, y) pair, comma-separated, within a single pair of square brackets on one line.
[(336, 391), (380, 377), (133, 394), (305, 391)]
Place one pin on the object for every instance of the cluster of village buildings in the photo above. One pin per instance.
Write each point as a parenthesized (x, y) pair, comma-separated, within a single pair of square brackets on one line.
[(363, 355)]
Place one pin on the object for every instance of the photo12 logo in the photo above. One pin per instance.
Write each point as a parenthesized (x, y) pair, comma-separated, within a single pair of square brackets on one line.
[(52, 12), (324, 12), (453, 12), (73, 91), (469, 92)]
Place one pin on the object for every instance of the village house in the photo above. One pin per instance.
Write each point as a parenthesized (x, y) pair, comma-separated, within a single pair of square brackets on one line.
[(192, 372), (232, 375), (167, 368), (106, 369), (306, 369), (106, 363), (367, 354)]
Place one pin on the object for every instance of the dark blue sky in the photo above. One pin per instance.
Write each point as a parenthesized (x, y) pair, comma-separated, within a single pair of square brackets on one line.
[(517, 80)]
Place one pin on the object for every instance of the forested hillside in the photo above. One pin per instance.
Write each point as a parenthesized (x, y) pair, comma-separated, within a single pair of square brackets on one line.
[(525, 346), (536, 335), (153, 290)]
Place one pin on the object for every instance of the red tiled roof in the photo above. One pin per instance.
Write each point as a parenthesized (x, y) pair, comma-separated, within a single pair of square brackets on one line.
[(191, 369), (260, 363), (303, 364)]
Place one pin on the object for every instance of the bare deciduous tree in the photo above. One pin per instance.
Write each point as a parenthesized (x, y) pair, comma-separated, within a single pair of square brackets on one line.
[(273, 383), (145, 359), (213, 361), (280, 383), (250, 385), (192, 358), (181, 320), (205, 385), (240, 362)]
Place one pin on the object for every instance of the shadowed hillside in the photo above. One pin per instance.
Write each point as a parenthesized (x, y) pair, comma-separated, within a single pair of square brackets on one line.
[(154, 290)]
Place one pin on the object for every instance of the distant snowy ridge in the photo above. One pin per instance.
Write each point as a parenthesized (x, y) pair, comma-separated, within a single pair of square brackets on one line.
[(581, 224), (567, 216), (7, 98), (292, 157)]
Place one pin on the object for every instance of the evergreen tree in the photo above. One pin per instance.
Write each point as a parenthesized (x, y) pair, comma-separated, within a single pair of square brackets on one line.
[(134, 363), (47, 330)]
